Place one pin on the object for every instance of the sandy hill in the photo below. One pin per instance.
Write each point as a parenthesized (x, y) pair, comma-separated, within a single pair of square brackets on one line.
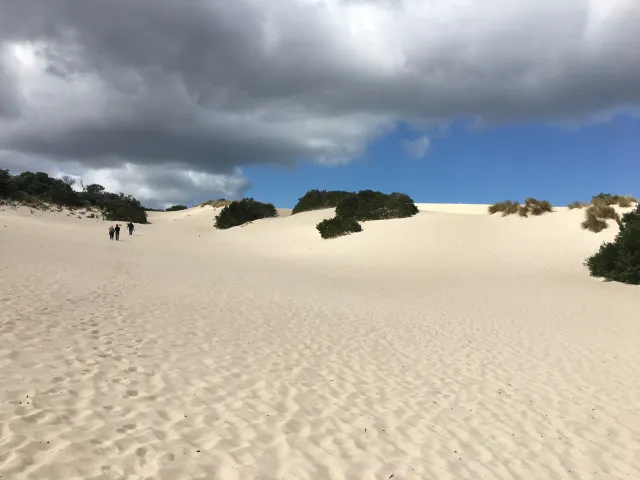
[(449, 345)]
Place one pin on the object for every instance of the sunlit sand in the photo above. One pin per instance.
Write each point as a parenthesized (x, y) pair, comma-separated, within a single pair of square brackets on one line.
[(450, 345)]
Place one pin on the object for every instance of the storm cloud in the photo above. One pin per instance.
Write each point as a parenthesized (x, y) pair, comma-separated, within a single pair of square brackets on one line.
[(174, 95)]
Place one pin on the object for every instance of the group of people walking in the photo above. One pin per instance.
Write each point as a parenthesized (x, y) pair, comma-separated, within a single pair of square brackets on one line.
[(115, 231)]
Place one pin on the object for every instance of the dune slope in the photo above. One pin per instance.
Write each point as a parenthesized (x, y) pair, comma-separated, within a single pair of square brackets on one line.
[(446, 346)]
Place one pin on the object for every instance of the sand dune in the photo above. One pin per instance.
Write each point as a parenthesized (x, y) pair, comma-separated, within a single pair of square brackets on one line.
[(451, 345)]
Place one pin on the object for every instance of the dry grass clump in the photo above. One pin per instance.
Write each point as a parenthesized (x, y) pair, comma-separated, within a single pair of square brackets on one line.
[(531, 207), (596, 217), (603, 211), (626, 201), (623, 201), (507, 208), (577, 205), (220, 203), (593, 223)]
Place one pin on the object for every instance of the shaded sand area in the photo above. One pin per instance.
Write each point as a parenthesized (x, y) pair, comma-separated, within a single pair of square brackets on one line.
[(451, 345)]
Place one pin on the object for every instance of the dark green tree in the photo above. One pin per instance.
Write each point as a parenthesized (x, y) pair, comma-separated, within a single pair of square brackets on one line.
[(620, 260), (243, 211)]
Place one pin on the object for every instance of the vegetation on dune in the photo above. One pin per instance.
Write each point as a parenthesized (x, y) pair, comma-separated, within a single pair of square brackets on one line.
[(531, 206), (620, 260), (593, 223), (623, 201), (369, 205), (220, 203), (176, 208), (318, 199), (365, 205), (239, 212), (337, 227), (39, 190), (596, 217), (577, 205)]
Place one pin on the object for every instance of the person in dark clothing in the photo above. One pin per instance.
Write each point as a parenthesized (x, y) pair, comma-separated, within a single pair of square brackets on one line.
[(130, 227), (112, 232), (117, 232)]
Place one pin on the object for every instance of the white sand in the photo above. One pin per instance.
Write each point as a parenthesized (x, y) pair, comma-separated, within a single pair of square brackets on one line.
[(445, 346)]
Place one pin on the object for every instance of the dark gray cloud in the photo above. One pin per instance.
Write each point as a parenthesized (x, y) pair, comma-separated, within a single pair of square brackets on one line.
[(207, 86)]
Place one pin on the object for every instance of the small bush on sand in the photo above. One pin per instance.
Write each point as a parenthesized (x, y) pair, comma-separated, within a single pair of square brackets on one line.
[(538, 207), (361, 206), (370, 205), (577, 205), (620, 260), (338, 226), (317, 199), (623, 201), (506, 208), (593, 223), (523, 211), (243, 211), (603, 211), (626, 201), (531, 207), (176, 208), (220, 203)]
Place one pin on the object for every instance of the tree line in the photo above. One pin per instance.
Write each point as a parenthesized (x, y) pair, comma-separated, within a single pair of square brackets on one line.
[(38, 187)]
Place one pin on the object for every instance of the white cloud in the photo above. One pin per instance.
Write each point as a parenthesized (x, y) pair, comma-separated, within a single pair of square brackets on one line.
[(220, 85), (417, 148)]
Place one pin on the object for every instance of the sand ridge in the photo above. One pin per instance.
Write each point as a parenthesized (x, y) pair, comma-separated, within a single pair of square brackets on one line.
[(443, 346)]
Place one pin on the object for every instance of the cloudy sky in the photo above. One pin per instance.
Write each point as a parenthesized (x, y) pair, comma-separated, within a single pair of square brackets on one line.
[(184, 100)]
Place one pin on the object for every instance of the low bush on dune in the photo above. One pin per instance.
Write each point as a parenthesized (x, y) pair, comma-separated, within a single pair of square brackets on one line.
[(318, 199), (220, 203), (596, 217), (239, 212), (593, 223), (363, 206), (506, 208), (620, 260), (531, 206), (577, 205), (337, 227), (176, 208), (369, 205), (603, 211), (623, 201)]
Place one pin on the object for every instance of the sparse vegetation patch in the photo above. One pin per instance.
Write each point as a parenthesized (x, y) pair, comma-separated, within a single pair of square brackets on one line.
[(531, 206)]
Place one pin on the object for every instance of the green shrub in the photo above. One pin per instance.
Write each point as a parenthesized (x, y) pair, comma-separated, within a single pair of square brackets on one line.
[(176, 208), (337, 227), (620, 260), (318, 199), (369, 205), (242, 211), (7, 188), (124, 208), (577, 204)]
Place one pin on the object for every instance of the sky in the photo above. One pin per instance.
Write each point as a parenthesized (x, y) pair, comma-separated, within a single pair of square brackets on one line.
[(450, 101)]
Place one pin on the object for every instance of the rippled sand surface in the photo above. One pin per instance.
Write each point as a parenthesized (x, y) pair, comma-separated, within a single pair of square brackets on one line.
[(452, 345)]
